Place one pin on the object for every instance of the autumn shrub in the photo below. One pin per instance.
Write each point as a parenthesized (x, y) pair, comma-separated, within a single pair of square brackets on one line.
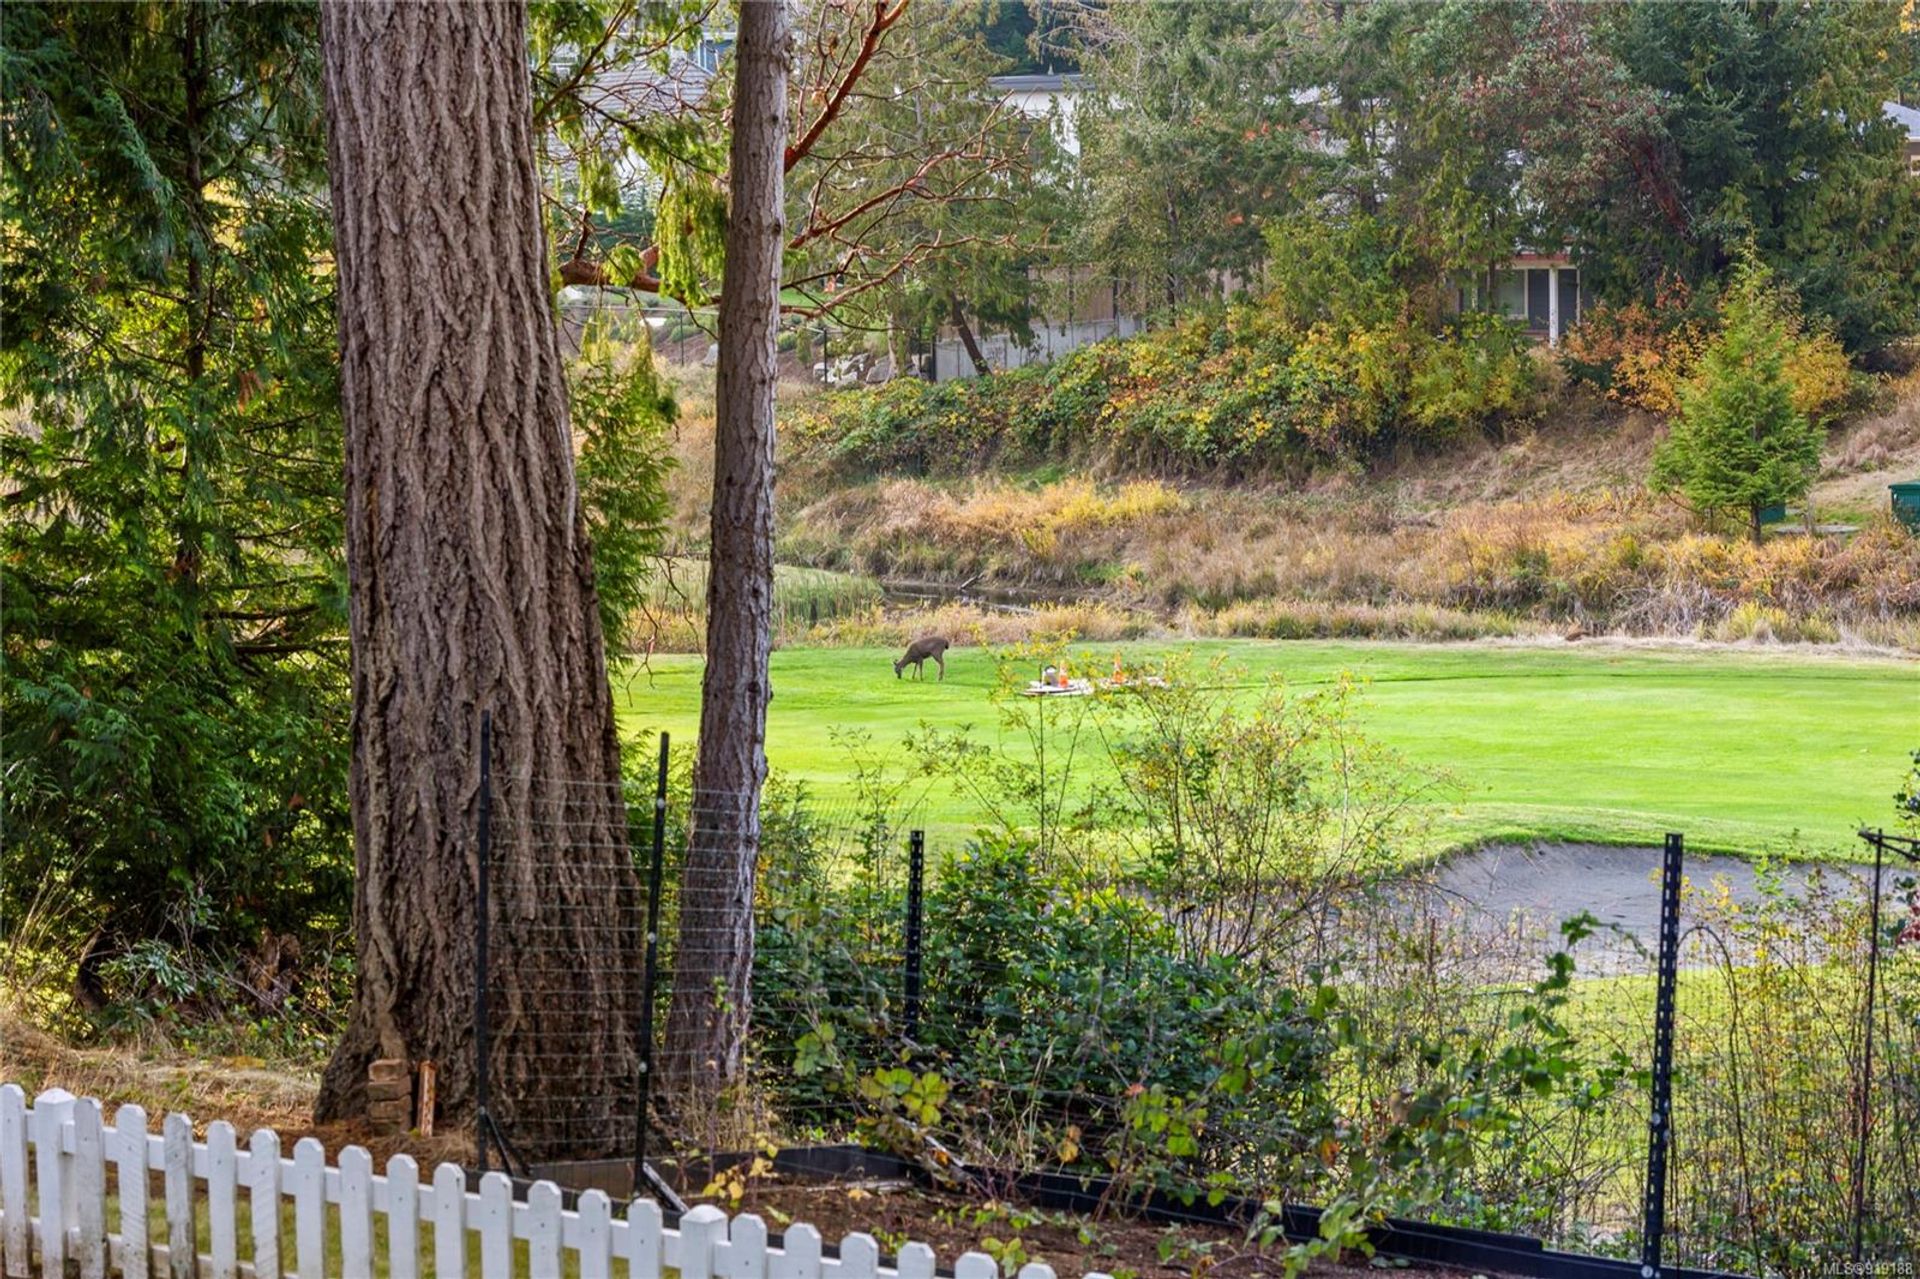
[(1639, 353), (1644, 354), (984, 624), (1134, 560), (1766, 623), (1241, 388)]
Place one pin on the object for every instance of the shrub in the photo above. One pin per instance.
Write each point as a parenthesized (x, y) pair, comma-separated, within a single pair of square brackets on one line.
[(1645, 355), (1236, 388), (1177, 1019), (1639, 354)]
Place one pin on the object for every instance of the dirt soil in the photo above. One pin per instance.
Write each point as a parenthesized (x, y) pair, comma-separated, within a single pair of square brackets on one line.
[(952, 1223)]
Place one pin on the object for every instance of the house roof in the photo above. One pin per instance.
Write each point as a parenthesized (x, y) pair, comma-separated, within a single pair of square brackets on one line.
[(1049, 82), (646, 90), (1904, 116)]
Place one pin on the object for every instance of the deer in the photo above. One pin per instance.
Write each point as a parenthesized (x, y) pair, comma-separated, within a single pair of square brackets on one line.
[(934, 646)]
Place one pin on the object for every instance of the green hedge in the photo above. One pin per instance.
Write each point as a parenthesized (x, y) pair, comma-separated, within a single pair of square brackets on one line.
[(1234, 387)]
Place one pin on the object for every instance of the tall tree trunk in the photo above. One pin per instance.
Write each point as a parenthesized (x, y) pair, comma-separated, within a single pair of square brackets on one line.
[(470, 588), (706, 1025), (959, 316)]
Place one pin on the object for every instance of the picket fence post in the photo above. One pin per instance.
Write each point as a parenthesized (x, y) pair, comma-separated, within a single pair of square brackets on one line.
[(916, 1261), (223, 1195), (449, 1220), (701, 1229), (596, 1235), (645, 1240), (799, 1253), (356, 1211), (52, 1112), (90, 1189), (976, 1265), (859, 1257), (14, 1248), (543, 1228), (495, 1224), (263, 1201), (403, 1218), (136, 1252), (310, 1209), (176, 1136), (746, 1255)]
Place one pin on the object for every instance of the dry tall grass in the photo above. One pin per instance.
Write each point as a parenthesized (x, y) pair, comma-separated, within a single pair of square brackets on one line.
[(1547, 532), (1251, 562)]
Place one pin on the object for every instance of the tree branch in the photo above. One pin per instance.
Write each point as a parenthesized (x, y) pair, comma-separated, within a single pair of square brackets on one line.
[(883, 18)]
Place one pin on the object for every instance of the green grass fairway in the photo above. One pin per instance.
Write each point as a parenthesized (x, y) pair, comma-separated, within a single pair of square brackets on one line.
[(1744, 752)]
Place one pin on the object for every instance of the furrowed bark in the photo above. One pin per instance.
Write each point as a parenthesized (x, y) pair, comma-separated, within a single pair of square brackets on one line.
[(470, 587), (706, 1025)]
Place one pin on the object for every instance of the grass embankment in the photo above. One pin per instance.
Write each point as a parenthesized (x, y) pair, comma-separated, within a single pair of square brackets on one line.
[(1745, 752), (1549, 529), (1547, 526)]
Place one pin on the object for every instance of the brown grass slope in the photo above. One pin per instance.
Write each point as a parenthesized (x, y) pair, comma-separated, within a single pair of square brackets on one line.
[(1552, 529)]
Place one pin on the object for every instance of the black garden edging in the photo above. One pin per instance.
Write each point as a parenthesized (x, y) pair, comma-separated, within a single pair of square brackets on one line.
[(1520, 1255)]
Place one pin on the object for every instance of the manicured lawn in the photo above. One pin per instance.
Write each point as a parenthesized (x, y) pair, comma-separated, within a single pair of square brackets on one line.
[(1743, 752)]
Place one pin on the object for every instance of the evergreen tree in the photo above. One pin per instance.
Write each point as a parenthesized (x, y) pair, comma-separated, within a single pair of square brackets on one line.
[(1771, 131), (970, 236), (1739, 443), (176, 717), (1190, 138)]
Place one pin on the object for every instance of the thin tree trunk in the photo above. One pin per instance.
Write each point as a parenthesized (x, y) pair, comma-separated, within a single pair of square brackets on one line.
[(470, 588), (707, 1023), (967, 340), (899, 343)]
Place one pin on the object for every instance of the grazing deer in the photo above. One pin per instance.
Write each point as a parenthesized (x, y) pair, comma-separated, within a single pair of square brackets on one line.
[(934, 646)]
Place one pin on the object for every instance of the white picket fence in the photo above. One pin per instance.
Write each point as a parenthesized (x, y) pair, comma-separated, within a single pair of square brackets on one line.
[(55, 1200)]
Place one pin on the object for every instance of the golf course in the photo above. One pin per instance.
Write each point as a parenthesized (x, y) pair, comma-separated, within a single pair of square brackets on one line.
[(1744, 751)]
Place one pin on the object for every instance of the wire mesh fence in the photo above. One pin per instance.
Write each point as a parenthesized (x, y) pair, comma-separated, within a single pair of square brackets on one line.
[(979, 1007)]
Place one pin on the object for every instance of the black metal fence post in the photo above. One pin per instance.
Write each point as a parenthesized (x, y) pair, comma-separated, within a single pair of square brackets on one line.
[(482, 1119), (643, 1104), (916, 879), (1864, 1116), (1660, 1117)]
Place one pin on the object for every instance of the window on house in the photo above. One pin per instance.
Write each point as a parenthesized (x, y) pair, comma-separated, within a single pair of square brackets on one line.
[(1510, 294), (1569, 298), (1539, 285)]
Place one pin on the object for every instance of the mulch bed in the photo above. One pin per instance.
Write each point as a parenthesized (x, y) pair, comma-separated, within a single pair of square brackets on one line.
[(953, 1222)]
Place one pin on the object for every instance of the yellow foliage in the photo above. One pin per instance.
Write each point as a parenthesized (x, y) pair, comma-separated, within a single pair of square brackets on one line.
[(1650, 353)]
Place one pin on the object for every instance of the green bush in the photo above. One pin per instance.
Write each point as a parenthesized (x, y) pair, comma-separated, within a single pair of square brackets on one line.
[(1104, 1013), (1237, 388)]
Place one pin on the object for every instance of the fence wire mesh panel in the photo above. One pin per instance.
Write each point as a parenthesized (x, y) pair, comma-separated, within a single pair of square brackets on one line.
[(564, 967), (1360, 1040), (1771, 1082)]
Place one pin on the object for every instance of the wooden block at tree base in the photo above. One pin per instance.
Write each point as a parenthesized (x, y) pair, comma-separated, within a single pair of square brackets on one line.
[(423, 1106), (388, 1116), (389, 1094), (389, 1070)]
